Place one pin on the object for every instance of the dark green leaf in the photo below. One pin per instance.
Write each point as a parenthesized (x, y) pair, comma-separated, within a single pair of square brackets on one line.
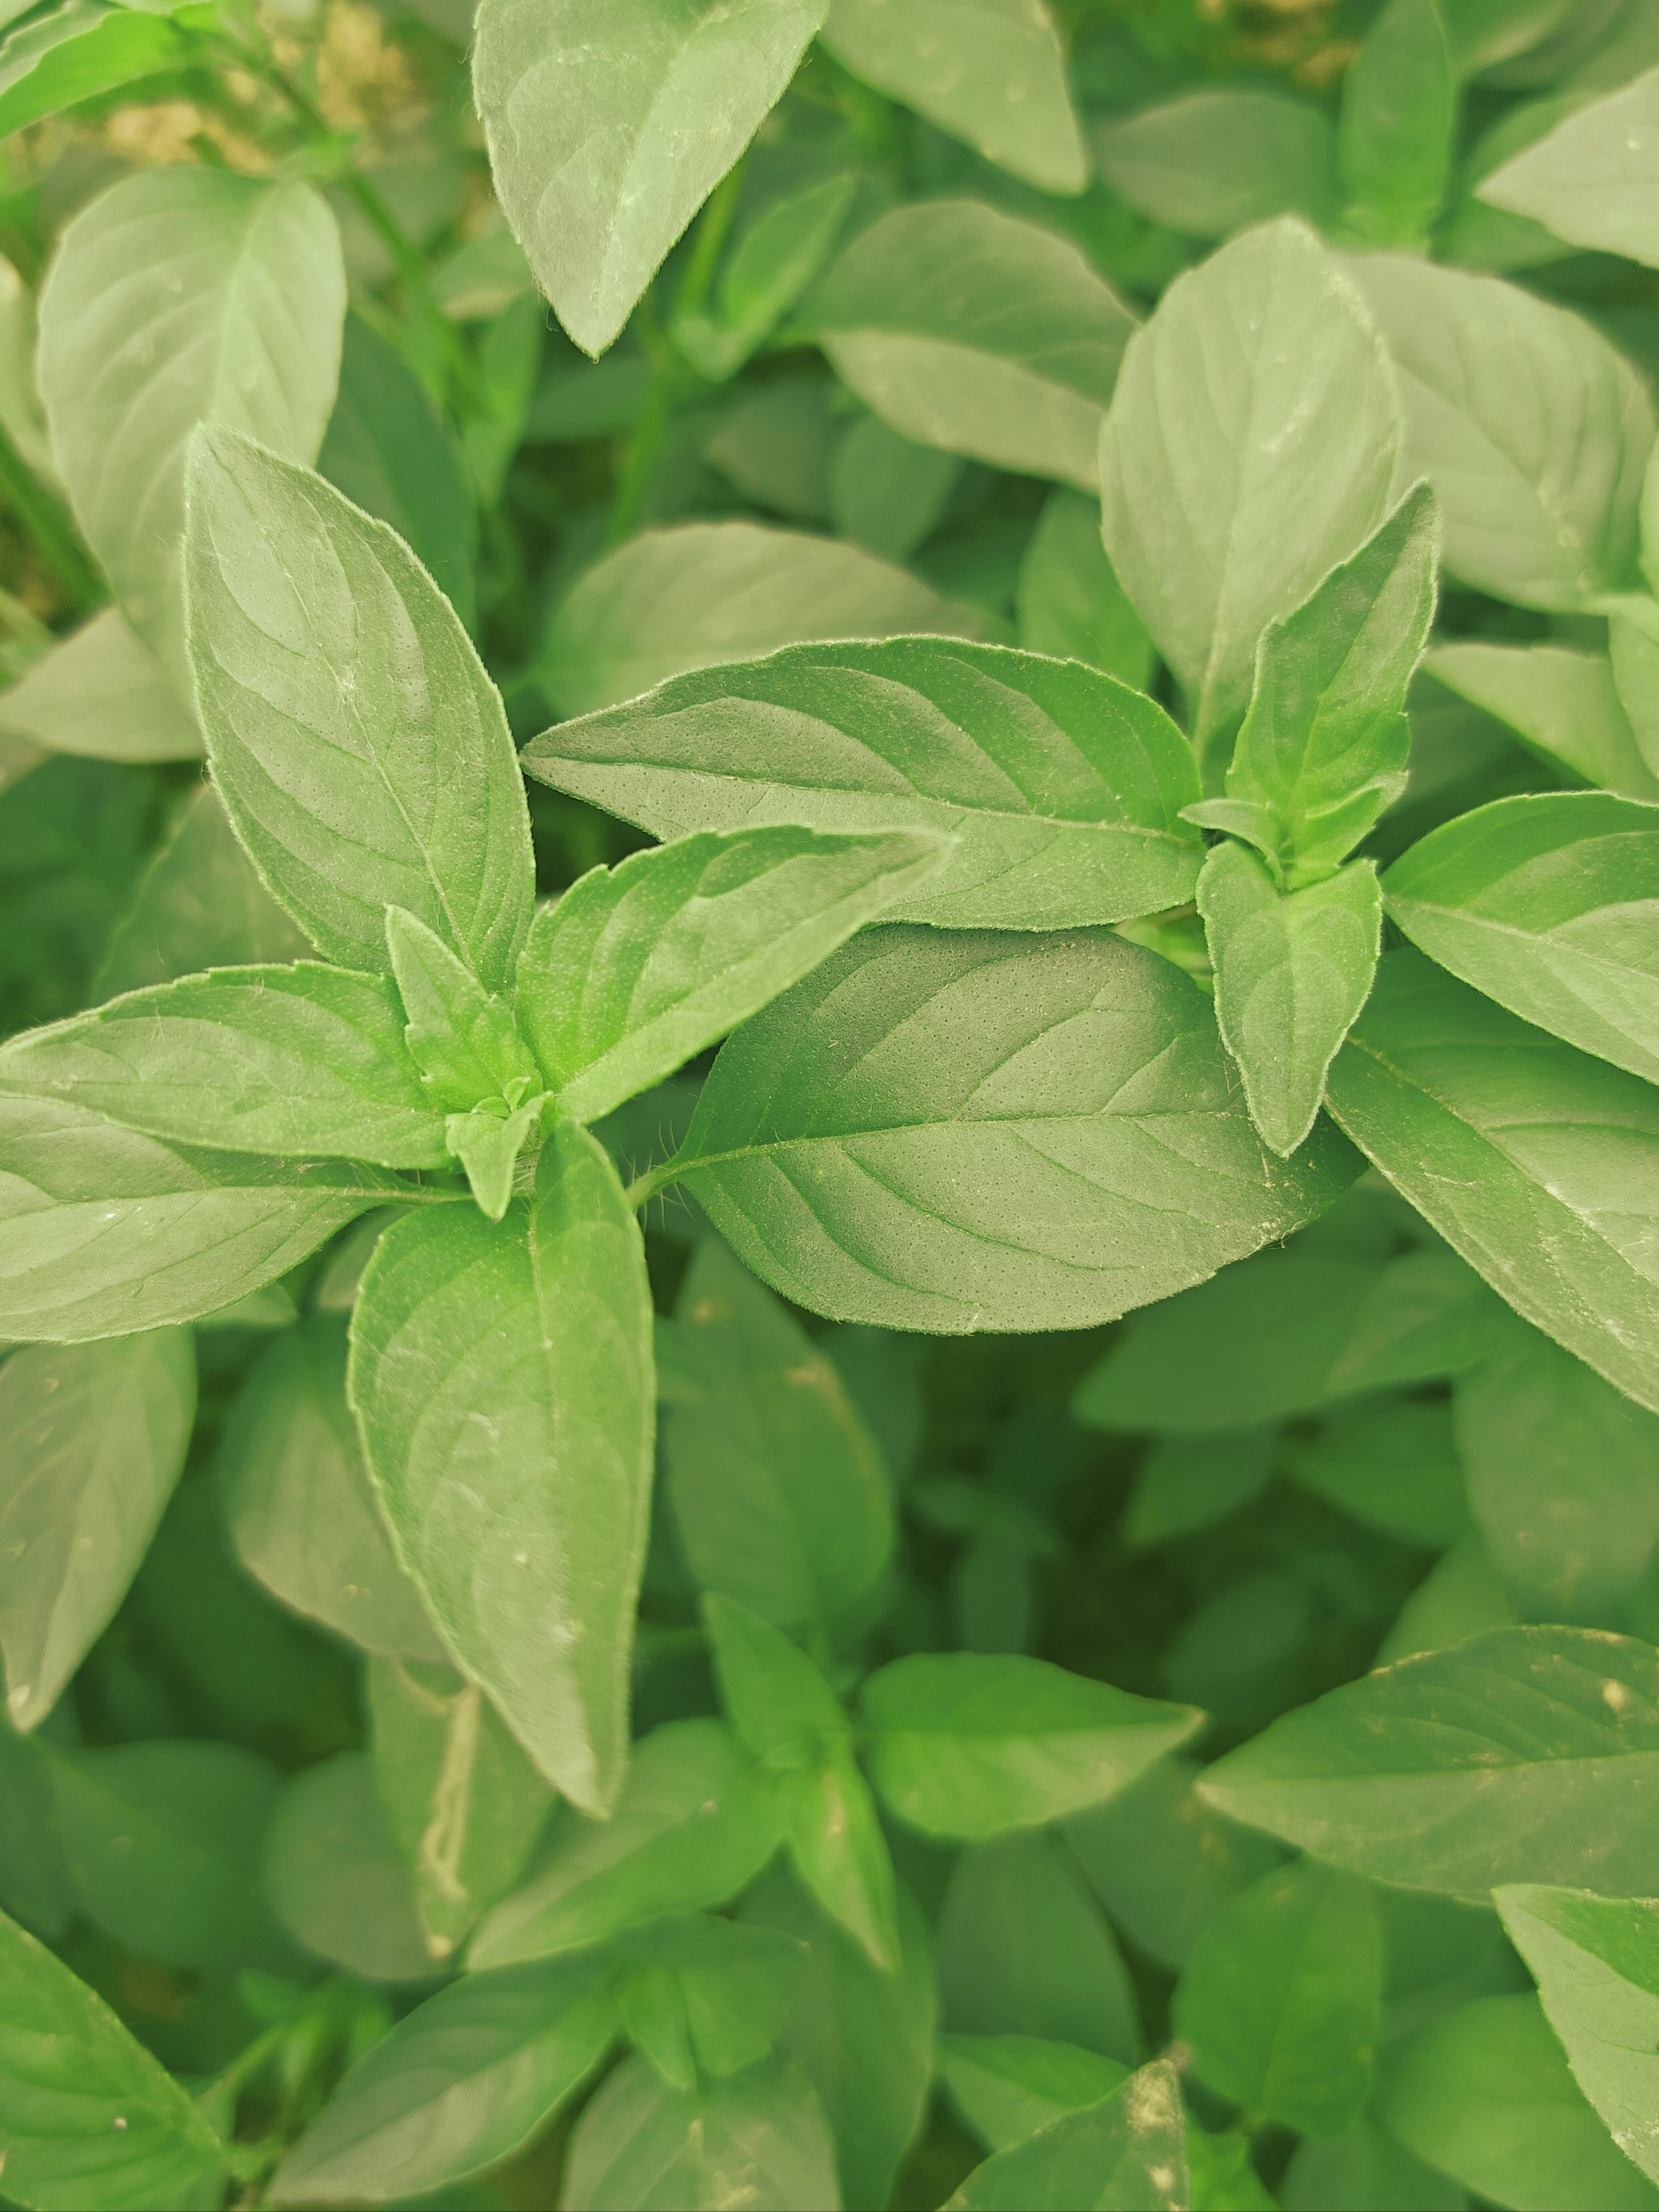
[(1281, 2000), (1394, 1465), (334, 1877), (77, 51), (1070, 602), (1008, 2087), (1399, 124), (701, 1996)]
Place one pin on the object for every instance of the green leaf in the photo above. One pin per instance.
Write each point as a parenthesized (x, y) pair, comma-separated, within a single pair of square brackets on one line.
[(463, 1042), (1561, 703), (1062, 787), (1281, 2000), (1164, 1862), (72, 53), (1459, 1596), (96, 1438), (1532, 431), (1288, 1333), (1484, 2094), (1259, 391), (608, 128), (1591, 178), (103, 1232), (1526, 1754), (1187, 1483), (1022, 1179), (887, 493), (334, 1877), (1126, 2154), (250, 273), (91, 2122), (1549, 906), (392, 453), (102, 693), (1597, 1963), (1292, 969), (163, 1842), (706, 1996), (778, 1701), (297, 1499), (863, 2036), (969, 1745), (780, 1494), (994, 75), (970, 330), (1070, 603), (773, 262), (460, 2084), (1008, 2087), (1526, 1156), (1394, 1465), (1324, 744), (1563, 1479), (34, 1883), (464, 1803), (706, 592), (200, 904), (1025, 1950), (301, 1060), (487, 1144), (638, 968), (758, 2138), (695, 1822), (1217, 160), (358, 746), (501, 1375), (1366, 2170), (1398, 127)]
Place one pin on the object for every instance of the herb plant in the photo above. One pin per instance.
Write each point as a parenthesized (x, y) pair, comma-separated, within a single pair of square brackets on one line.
[(828, 1148)]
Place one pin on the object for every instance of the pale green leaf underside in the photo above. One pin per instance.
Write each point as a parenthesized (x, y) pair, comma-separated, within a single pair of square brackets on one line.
[(706, 592), (1536, 1162), (1594, 179), (1259, 389), (608, 129), (967, 328), (1062, 787), (1560, 702), (182, 295), (956, 1131), (990, 71), (1126, 2151), (101, 692), (96, 1438), (305, 1060)]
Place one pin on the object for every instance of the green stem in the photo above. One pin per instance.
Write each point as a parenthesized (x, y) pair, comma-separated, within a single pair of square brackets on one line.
[(48, 522), (645, 1187)]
